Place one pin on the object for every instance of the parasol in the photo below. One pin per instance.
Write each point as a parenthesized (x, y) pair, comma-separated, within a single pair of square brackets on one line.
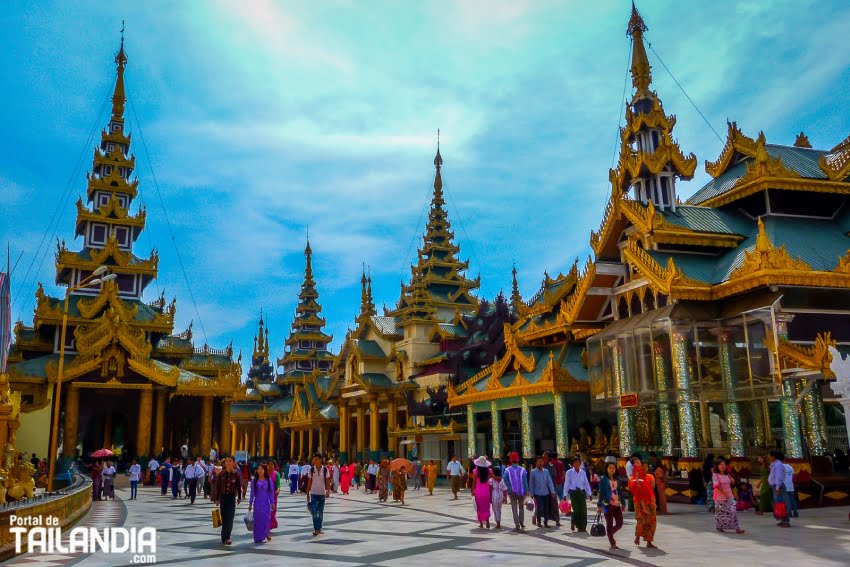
[(398, 464), (100, 453)]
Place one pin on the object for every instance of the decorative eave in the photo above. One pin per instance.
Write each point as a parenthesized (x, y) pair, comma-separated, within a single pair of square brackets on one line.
[(308, 336), (598, 238), (521, 361), (632, 164), (79, 366), (737, 143), (836, 164), (440, 428), (227, 383), (68, 260), (655, 118), (757, 185), (48, 313), (652, 223), (111, 183), (111, 213), (145, 367), (30, 344), (108, 295), (666, 279), (571, 307), (817, 357), (92, 339), (554, 379)]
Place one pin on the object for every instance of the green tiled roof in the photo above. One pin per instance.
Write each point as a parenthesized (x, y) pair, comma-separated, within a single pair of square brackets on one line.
[(376, 379), (705, 219), (144, 314), (85, 255), (268, 388), (36, 366), (283, 405), (803, 161), (818, 242), (369, 348), (454, 330)]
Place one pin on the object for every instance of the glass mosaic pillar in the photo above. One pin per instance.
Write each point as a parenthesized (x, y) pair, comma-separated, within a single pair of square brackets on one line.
[(816, 420), (665, 409), (734, 425), (525, 429), (625, 416), (685, 396), (562, 441), (790, 420), (471, 431), (496, 423), (759, 424)]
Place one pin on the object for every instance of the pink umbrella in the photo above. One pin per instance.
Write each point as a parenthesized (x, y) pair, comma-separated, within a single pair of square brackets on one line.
[(100, 453)]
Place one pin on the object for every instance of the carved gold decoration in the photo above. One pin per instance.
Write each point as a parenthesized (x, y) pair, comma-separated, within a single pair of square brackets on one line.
[(843, 266), (571, 307), (802, 141), (108, 296), (816, 357), (736, 143), (766, 256)]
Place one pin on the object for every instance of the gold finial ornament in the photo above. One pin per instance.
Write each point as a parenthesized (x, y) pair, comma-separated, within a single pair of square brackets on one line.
[(641, 70), (802, 141), (118, 96)]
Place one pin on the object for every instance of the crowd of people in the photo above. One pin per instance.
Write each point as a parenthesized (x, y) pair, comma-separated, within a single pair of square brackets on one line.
[(548, 488)]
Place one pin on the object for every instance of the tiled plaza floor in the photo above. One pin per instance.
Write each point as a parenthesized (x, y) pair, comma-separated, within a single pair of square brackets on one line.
[(432, 531)]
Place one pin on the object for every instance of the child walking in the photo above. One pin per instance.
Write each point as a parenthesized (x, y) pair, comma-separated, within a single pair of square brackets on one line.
[(498, 495)]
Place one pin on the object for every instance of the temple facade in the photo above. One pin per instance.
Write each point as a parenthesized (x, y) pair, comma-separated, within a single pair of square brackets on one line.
[(129, 382), (704, 326)]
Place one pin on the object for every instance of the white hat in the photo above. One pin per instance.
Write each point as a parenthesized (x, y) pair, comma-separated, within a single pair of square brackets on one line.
[(481, 462)]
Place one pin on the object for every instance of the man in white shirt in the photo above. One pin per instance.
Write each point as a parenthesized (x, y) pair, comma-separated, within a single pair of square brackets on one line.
[(135, 473), (372, 476), (319, 481), (454, 471), (200, 476), (305, 470), (577, 488), (153, 467), (108, 476), (191, 474), (789, 488), (292, 474)]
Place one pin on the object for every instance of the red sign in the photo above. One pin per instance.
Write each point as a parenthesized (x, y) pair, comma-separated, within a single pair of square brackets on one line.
[(629, 401)]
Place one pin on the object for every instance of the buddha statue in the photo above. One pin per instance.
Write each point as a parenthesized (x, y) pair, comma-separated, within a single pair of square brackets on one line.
[(600, 444), (584, 440), (575, 449), (614, 444)]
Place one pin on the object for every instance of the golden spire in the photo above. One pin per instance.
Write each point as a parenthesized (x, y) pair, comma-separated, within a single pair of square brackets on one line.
[(308, 270), (118, 97), (516, 298), (641, 70), (261, 340), (438, 180), (367, 308)]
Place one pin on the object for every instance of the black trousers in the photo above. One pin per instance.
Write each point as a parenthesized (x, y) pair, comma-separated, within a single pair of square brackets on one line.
[(543, 508), (193, 488), (227, 503)]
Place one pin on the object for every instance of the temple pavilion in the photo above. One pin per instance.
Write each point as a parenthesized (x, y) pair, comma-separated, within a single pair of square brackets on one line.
[(129, 382), (708, 325)]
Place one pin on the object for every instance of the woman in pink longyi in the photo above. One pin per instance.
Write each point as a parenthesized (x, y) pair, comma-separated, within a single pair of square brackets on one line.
[(345, 472), (481, 490)]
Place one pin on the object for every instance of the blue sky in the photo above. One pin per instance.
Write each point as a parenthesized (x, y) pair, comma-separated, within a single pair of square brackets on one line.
[(264, 117)]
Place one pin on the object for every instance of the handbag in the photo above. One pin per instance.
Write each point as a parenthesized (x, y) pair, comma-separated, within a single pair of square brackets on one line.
[(216, 518), (249, 521), (529, 506), (565, 507), (780, 511), (597, 529)]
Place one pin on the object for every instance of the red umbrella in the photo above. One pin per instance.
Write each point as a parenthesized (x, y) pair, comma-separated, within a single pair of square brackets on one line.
[(100, 453), (402, 463)]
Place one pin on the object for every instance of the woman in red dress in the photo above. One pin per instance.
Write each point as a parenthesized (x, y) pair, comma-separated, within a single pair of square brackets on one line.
[(345, 472)]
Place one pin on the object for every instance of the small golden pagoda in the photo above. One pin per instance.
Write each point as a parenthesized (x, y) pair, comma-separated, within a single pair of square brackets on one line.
[(129, 382)]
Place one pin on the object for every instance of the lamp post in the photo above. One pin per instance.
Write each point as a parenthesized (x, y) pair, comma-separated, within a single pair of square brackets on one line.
[(97, 277)]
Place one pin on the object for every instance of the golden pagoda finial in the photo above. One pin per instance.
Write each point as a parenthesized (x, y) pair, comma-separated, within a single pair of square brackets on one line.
[(641, 70), (308, 253), (516, 298), (118, 97), (802, 141), (438, 179)]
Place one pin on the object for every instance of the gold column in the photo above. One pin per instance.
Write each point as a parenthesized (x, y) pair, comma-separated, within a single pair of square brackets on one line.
[(374, 424), (143, 433), (310, 443), (272, 446), (361, 432), (206, 425), (225, 425), (232, 429), (344, 443), (392, 423), (262, 439), (107, 429), (72, 413), (245, 440), (292, 454), (301, 453), (159, 426)]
